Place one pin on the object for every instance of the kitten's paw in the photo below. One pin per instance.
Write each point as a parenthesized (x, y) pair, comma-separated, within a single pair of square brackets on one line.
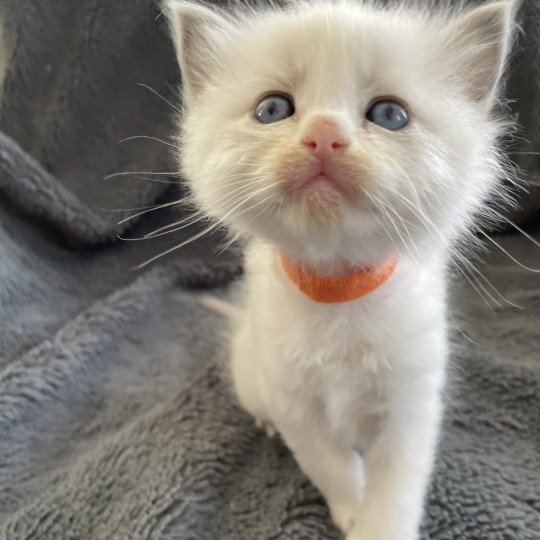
[(343, 516), (379, 530), (267, 426)]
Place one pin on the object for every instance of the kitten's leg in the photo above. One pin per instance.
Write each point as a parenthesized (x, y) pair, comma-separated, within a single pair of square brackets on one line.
[(245, 372), (397, 465), (334, 469)]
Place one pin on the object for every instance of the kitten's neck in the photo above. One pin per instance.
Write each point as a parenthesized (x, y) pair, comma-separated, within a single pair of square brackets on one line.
[(341, 284)]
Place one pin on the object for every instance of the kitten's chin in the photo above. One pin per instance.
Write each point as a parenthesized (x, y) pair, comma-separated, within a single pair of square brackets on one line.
[(319, 203), (323, 206), (321, 230)]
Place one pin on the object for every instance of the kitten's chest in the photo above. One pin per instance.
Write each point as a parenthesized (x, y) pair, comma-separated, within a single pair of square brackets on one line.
[(321, 346), (341, 360), (332, 353), (330, 365)]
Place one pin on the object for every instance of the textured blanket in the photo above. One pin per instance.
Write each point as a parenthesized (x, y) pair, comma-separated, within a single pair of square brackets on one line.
[(116, 415), (117, 420)]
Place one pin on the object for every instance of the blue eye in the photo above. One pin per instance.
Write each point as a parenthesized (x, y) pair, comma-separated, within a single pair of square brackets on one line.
[(274, 108), (388, 114)]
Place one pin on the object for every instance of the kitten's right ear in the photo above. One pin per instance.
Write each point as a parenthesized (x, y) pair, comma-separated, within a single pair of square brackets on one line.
[(199, 34)]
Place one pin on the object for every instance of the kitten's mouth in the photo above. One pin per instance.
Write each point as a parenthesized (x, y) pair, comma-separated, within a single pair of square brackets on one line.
[(322, 193), (322, 181), (322, 189)]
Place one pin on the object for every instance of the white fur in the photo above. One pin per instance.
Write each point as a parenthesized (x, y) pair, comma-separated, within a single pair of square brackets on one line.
[(365, 376)]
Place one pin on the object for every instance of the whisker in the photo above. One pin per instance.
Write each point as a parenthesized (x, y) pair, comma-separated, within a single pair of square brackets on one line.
[(190, 220), (478, 290), (178, 246), (524, 233), (509, 255), (202, 233), (230, 242), (379, 221), (159, 96), (457, 326), (131, 173), (226, 245), (385, 207), (430, 227), (156, 180), (182, 224), (176, 226), (159, 207), (133, 137), (488, 282), (423, 218), (119, 210), (179, 228)]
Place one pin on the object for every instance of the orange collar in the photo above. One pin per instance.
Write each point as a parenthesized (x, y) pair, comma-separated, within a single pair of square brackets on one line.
[(341, 289)]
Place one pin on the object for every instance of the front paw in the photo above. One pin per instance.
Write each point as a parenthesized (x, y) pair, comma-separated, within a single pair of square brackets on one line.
[(379, 529), (343, 516), (361, 532)]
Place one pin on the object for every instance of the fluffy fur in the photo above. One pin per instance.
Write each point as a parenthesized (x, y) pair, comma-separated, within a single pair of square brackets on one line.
[(363, 378)]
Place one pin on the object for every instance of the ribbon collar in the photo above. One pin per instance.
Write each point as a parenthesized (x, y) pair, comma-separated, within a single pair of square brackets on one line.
[(339, 289)]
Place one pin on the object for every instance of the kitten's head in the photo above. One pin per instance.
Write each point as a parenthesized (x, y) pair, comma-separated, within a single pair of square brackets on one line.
[(341, 131)]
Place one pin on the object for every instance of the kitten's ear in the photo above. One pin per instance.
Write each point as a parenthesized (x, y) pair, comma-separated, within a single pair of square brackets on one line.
[(479, 42), (199, 34)]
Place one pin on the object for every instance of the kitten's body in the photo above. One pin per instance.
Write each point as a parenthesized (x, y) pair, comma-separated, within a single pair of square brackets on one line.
[(337, 379), (364, 375)]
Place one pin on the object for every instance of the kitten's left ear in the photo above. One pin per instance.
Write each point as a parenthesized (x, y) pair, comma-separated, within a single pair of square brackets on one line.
[(199, 34), (479, 42)]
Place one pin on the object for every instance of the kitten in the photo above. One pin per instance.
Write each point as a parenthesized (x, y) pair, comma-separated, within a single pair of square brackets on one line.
[(352, 146)]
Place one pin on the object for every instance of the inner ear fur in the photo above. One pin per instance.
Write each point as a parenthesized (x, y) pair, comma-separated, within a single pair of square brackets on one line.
[(479, 42), (199, 34)]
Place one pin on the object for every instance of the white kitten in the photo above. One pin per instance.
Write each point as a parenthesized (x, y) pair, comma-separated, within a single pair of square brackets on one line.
[(352, 146)]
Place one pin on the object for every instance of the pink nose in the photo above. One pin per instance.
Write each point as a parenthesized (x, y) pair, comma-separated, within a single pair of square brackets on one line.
[(325, 138)]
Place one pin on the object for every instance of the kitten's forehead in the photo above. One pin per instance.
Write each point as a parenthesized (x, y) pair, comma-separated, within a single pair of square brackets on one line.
[(317, 51)]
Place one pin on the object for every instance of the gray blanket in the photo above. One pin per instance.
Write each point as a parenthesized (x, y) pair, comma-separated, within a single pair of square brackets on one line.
[(116, 415)]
